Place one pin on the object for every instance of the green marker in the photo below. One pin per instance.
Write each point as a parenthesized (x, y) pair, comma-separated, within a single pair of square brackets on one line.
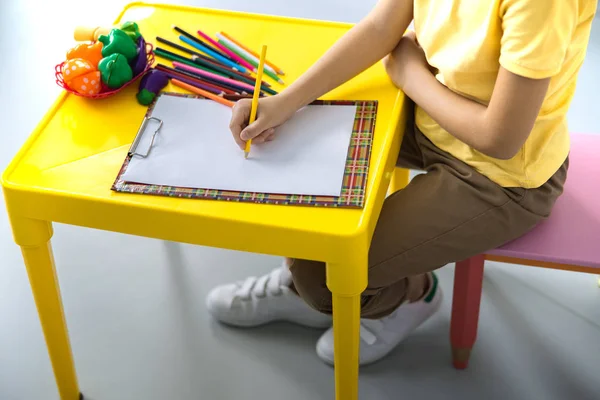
[(203, 65), (250, 60), (174, 57)]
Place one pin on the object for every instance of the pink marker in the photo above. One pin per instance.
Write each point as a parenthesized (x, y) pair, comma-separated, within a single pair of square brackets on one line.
[(215, 77), (230, 53)]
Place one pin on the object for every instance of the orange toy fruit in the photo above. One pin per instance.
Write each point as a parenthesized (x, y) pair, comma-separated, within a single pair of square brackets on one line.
[(81, 76), (88, 84), (91, 52)]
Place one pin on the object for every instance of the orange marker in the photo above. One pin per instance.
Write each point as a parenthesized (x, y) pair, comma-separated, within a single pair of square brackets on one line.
[(202, 92)]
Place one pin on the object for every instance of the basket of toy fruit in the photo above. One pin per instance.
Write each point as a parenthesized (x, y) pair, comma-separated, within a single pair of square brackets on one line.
[(103, 67)]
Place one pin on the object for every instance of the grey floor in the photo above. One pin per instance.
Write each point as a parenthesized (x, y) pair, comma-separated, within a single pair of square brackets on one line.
[(135, 310)]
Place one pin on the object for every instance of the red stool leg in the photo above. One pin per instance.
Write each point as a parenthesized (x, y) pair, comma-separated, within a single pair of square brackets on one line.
[(468, 280)]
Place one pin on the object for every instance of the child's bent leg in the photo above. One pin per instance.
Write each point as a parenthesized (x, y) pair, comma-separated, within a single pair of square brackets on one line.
[(310, 284), (447, 215)]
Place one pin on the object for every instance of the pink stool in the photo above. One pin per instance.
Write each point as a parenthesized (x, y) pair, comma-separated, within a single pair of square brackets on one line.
[(568, 240)]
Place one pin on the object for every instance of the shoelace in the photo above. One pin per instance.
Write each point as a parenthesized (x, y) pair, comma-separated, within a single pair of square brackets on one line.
[(266, 285)]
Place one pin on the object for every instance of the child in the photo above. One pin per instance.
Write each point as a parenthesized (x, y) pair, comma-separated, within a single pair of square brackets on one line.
[(492, 81)]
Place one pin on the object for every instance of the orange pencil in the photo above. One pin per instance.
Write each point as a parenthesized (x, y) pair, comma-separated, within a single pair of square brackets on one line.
[(270, 64), (203, 93)]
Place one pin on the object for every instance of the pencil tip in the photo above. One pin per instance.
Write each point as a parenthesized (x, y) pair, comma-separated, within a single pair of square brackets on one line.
[(246, 155), (280, 81)]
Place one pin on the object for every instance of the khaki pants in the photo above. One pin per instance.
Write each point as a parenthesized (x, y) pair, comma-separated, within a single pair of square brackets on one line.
[(446, 215)]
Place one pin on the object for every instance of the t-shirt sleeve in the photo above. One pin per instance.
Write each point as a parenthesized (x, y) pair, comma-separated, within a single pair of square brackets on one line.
[(536, 35)]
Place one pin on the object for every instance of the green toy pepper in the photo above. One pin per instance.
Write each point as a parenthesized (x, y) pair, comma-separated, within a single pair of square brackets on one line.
[(118, 42), (115, 71), (132, 30)]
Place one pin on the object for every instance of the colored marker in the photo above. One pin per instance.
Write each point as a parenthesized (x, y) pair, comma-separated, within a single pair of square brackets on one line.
[(175, 57), (202, 92), (225, 50), (182, 74), (249, 50), (248, 57), (213, 76), (204, 49), (234, 86), (199, 41)]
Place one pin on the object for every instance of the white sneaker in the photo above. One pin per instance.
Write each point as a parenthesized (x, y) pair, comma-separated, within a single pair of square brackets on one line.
[(257, 301), (379, 337)]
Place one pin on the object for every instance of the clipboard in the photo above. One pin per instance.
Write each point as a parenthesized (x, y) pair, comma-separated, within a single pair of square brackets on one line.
[(354, 180), (133, 150)]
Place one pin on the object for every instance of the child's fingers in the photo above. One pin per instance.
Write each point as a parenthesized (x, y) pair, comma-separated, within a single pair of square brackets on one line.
[(239, 120), (254, 130), (270, 135), (235, 132), (264, 136)]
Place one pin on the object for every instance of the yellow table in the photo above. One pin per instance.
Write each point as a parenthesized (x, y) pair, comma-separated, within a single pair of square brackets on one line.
[(65, 170)]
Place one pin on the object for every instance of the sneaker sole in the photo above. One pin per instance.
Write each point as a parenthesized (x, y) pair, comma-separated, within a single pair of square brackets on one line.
[(249, 324)]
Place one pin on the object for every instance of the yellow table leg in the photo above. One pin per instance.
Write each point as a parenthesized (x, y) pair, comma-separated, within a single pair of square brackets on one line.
[(346, 323), (347, 281), (34, 238), (400, 179)]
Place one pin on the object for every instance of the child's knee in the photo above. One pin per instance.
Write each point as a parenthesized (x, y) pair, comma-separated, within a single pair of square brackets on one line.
[(310, 284)]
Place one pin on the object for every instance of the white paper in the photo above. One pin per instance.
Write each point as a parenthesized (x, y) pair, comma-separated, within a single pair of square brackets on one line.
[(195, 149)]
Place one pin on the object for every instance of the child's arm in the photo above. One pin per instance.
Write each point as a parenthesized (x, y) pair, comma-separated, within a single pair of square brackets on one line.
[(537, 37), (498, 130), (366, 43)]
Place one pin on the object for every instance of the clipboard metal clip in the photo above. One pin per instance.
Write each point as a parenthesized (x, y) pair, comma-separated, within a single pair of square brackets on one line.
[(133, 150)]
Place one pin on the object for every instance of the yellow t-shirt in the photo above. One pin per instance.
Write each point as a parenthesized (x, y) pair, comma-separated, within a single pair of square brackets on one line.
[(468, 40)]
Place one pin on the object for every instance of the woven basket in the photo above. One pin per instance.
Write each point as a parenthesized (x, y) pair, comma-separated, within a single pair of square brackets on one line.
[(105, 91)]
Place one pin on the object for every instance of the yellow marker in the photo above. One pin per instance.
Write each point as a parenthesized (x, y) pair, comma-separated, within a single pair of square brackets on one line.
[(259, 74)]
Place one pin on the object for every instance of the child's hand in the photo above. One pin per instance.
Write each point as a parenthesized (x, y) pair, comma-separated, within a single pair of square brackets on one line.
[(272, 112), (405, 59)]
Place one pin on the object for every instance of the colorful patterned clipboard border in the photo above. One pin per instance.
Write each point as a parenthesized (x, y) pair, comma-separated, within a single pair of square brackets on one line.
[(353, 187)]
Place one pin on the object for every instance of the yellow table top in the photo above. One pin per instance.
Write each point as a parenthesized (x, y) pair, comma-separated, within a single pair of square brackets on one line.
[(65, 171)]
